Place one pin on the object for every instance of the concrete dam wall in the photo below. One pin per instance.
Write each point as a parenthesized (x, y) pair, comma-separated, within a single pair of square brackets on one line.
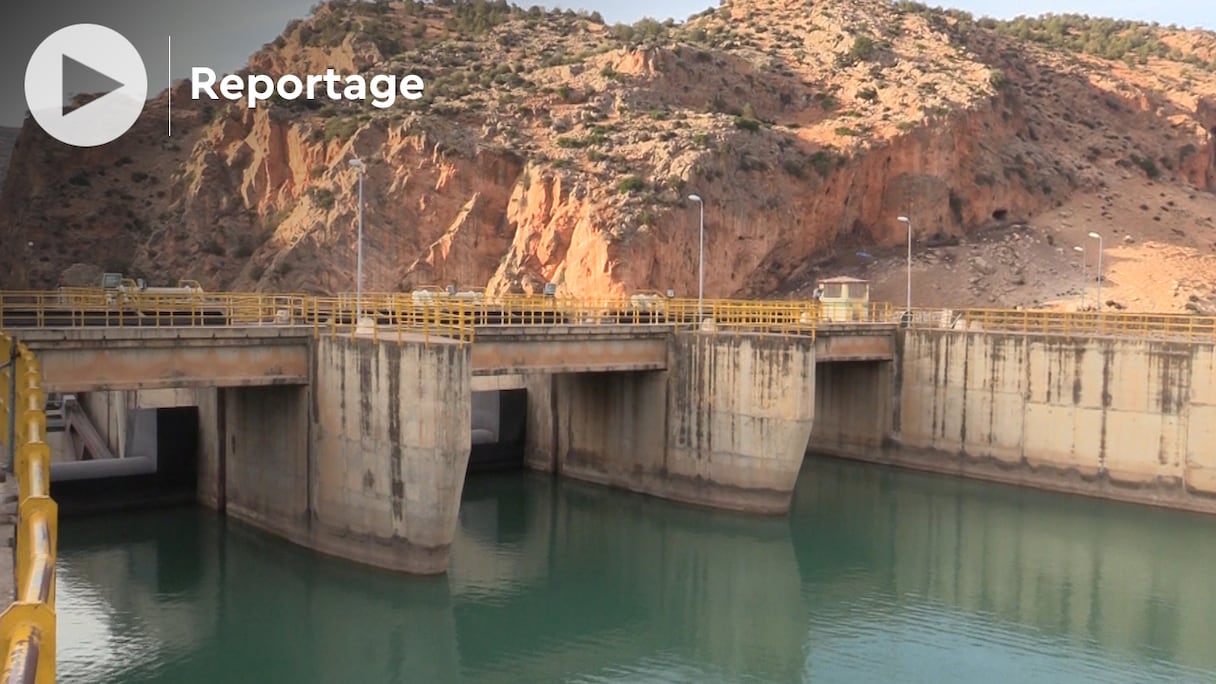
[(363, 453), (1120, 418)]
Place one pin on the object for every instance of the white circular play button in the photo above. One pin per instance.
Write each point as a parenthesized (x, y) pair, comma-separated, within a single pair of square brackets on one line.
[(102, 55)]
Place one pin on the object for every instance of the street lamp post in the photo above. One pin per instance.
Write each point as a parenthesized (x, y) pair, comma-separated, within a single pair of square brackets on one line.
[(1099, 239), (1084, 275), (908, 309), (700, 262), (358, 165)]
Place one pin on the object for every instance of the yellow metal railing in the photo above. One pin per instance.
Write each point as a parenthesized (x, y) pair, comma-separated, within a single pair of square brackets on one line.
[(1072, 323), (27, 626), (82, 308), (388, 317), (782, 317), (427, 315), (435, 314)]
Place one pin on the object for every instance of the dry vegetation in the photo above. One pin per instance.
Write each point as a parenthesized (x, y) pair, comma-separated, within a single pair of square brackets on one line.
[(551, 146)]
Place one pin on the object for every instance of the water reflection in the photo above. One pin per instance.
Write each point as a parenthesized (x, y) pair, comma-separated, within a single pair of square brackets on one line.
[(123, 598), (628, 582), (1103, 585), (877, 575)]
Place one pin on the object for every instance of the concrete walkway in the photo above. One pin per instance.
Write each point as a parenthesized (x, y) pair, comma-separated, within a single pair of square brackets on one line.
[(8, 520)]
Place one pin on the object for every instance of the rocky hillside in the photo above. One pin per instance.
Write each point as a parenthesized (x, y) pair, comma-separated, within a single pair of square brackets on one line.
[(551, 147)]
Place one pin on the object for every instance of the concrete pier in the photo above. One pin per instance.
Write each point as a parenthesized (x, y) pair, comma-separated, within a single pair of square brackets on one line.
[(725, 425), (391, 436), (741, 410), (367, 462)]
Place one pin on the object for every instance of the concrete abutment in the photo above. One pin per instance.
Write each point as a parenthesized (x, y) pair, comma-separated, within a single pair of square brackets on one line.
[(1118, 418)]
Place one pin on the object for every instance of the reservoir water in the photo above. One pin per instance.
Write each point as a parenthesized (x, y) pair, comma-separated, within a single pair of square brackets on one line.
[(877, 575)]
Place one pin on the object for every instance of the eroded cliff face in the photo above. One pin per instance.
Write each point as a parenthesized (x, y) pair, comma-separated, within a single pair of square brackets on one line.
[(1198, 163), (551, 149), (271, 207)]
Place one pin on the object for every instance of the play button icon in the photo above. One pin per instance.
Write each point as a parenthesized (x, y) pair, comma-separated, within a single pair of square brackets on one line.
[(75, 72), (112, 67)]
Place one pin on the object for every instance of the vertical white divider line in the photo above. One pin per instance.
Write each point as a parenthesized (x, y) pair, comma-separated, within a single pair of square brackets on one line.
[(170, 65)]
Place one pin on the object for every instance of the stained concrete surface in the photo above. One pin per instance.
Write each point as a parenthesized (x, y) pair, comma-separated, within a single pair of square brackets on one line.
[(8, 531)]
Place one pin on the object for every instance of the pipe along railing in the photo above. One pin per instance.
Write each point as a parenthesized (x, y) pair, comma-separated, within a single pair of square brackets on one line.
[(27, 626)]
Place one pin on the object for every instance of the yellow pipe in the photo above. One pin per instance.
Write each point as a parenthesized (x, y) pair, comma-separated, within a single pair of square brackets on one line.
[(39, 582), (21, 665), (27, 627)]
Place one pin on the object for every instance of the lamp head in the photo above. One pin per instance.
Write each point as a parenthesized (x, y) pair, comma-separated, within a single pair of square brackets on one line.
[(695, 198), (356, 163), (1079, 248), (904, 219), (1095, 236)]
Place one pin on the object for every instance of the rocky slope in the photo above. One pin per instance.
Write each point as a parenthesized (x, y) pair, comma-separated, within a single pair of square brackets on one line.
[(553, 148)]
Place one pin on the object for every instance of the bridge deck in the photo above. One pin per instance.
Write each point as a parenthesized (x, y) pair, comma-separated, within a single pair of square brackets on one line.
[(137, 357), (91, 359), (499, 350)]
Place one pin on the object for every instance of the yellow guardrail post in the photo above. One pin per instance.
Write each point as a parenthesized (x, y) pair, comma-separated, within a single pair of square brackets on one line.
[(428, 310), (395, 312)]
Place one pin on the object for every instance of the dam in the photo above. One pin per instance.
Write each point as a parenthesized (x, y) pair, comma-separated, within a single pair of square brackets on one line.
[(358, 441), (359, 447)]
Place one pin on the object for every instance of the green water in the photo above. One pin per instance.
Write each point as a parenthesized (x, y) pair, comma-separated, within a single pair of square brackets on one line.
[(877, 576)]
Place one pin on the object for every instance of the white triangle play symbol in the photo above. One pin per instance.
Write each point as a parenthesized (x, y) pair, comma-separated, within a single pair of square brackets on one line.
[(77, 72)]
